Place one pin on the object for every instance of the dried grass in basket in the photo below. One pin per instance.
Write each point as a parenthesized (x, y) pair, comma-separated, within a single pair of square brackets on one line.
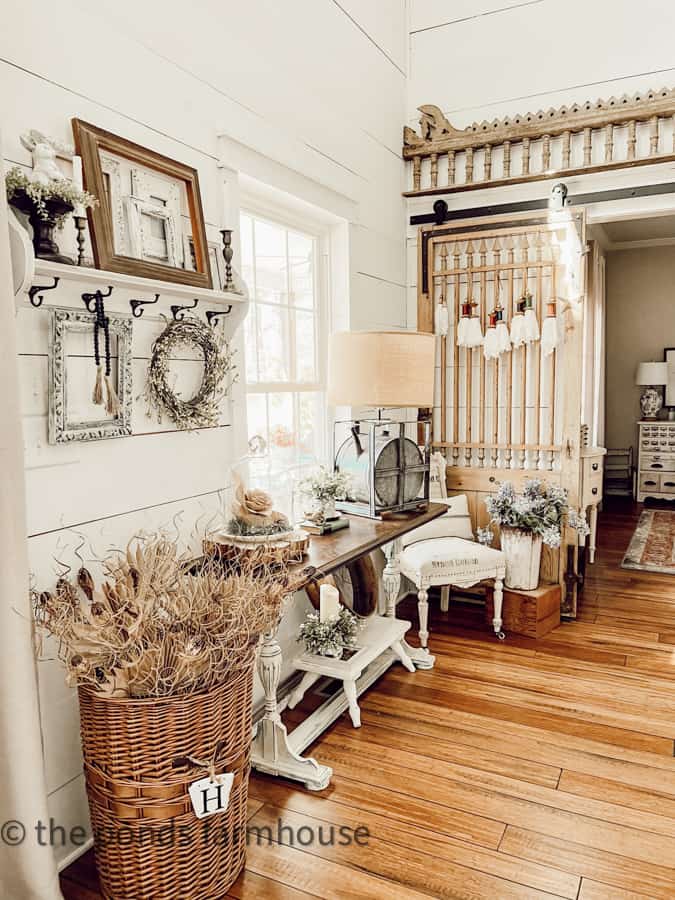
[(162, 624)]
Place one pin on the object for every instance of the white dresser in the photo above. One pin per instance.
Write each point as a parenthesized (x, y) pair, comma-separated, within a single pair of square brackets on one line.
[(656, 460), (592, 464)]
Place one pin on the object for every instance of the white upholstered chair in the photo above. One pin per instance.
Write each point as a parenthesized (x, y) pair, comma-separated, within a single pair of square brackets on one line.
[(442, 554)]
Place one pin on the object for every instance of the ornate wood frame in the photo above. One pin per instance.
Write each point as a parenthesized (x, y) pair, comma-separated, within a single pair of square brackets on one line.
[(89, 140), (589, 137), (60, 432)]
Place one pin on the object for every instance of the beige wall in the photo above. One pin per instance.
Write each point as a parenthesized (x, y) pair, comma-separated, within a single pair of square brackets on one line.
[(640, 323)]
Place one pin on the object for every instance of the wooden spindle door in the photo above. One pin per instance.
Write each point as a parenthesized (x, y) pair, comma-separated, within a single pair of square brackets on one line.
[(519, 416)]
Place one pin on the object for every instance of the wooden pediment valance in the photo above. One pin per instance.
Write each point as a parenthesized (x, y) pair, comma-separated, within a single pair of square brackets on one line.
[(594, 136)]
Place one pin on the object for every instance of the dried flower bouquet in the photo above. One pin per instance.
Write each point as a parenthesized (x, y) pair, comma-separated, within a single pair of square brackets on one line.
[(161, 624)]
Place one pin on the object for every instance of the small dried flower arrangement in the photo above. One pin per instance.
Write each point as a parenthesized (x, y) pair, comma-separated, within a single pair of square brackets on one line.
[(17, 183), (161, 624), (542, 509), (332, 637), (325, 486)]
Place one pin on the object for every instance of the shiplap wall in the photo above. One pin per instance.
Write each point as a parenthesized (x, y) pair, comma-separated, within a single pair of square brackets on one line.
[(308, 96)]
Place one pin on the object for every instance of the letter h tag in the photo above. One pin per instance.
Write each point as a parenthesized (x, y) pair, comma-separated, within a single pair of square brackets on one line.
[(211, 797)]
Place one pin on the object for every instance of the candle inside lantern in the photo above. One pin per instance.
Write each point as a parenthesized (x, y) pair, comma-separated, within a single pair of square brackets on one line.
[(329, 602), (78, 183)]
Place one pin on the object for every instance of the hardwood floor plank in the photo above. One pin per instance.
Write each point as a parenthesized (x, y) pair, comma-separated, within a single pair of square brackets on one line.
[(321, 877), (405, 810), (652, 880), (250, 886), (652, 801), (508, 748), (412, 866), (593, 890), (409, 835)]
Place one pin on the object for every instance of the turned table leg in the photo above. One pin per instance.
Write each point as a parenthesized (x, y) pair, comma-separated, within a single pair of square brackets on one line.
[(391, 582), (423, 613), (270, 750)]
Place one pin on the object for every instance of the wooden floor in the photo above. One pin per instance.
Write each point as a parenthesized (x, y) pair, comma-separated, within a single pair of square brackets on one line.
[(512, 770)]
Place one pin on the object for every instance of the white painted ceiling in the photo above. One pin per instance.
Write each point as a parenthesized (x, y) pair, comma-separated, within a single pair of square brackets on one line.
[(657, 228)]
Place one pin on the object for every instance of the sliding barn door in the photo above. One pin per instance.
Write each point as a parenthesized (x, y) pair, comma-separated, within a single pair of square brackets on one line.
[(518, 416)]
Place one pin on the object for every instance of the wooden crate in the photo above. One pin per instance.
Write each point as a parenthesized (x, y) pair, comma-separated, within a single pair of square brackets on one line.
[(532, 613)]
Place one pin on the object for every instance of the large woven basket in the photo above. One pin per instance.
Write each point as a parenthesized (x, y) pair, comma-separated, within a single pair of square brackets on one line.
[(148, 842)]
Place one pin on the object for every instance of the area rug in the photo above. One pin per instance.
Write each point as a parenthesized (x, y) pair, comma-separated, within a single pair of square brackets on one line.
[(652, 547)]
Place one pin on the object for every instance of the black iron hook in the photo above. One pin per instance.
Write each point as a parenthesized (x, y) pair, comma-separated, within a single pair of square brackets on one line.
[(178, 316), (212, 315), (91, 298), (37, 288), (137, 306)]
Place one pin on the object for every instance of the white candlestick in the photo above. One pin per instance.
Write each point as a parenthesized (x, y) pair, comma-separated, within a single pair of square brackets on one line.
[(329, 602), (78, 183)]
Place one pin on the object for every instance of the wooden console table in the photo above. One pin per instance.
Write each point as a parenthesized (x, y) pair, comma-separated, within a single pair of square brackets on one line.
[(275, 751)]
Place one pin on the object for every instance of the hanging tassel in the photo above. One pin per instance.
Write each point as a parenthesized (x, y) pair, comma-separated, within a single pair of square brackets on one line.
[(530, 324), (463, 326), (490, 344), (474, 334), (501, 331), (112, 403), (97, 394), (549, 330), (442, 319)]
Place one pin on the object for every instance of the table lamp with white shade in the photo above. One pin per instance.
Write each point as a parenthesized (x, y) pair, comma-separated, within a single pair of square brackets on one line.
[(382, 370), (651, 376)]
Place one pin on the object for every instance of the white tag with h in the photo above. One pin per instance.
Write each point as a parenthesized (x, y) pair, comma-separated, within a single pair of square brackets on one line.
[(211, 797)]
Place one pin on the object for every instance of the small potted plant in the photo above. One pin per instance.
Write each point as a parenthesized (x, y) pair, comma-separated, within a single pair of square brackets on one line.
[(331, 637), (527, 521), (325, 488), (47, 203)]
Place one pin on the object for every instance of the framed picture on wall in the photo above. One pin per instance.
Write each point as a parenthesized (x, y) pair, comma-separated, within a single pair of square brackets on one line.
[(149, 212), (669, 356)]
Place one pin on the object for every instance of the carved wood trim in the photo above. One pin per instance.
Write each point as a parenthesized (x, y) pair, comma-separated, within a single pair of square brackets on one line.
[(593, 136)]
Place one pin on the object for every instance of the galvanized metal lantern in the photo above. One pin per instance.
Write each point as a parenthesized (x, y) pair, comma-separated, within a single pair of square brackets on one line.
[(389, 471)]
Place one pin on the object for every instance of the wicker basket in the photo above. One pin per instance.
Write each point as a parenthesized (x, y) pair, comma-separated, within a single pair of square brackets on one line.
[(148, 842)]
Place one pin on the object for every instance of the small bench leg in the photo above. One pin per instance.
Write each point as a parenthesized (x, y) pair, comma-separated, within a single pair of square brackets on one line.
[(397, 648), (498, 600), (445, 599), (423, 613), (307, 681), (354, 711)]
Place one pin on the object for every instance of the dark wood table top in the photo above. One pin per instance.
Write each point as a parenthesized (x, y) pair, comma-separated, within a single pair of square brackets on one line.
[(331, 551)]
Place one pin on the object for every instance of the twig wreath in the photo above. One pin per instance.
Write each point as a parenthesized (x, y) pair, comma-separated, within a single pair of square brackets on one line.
[(201, 410)]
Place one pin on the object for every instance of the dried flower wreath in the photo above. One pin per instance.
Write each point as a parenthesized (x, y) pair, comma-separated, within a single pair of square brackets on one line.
[(201, 410)]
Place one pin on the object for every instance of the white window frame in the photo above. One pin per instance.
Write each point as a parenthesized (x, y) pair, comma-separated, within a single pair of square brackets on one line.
[(320, 232)]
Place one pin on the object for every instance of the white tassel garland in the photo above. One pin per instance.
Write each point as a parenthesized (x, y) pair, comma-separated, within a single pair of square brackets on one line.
[(518, 330), (462, 328), (530, 324), (503, 337), (490, 347), (474, 334), (442, 319)]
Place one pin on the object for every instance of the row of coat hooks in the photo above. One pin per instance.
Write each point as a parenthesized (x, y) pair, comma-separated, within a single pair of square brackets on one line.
[(177, 311)]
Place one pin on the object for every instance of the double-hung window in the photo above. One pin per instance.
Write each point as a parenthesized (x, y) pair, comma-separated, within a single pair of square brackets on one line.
[(285, 335)]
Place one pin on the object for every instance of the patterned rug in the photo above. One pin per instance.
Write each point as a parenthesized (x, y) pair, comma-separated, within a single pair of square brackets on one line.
[(652, 547)]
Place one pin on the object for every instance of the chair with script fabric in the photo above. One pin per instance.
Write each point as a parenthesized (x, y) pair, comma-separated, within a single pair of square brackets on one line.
[(444, 554)]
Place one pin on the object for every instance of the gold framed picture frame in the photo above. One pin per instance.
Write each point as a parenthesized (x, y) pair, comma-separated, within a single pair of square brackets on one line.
[(148, 206)]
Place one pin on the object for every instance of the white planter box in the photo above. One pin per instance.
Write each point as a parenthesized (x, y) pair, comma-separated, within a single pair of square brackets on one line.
[(523, 558)]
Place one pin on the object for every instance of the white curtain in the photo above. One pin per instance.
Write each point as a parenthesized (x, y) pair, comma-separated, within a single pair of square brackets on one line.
[(27, 870), (593, 382)]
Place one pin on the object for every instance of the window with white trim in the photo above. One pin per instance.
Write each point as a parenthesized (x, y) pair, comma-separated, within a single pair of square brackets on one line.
[(285, 335)]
